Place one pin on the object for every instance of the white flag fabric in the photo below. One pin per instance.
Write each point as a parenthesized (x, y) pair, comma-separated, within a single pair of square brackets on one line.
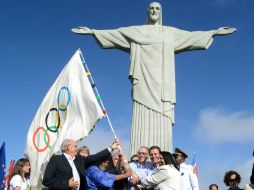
[(68, 111)]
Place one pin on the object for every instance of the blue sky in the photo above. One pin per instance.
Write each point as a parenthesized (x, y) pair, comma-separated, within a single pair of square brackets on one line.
[(215, 107)]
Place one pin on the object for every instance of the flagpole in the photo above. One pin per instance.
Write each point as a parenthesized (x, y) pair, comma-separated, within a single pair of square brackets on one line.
[(194, 164), (97, 93)]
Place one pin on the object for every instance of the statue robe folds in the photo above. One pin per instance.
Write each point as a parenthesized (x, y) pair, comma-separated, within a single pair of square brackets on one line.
[(152, 74)]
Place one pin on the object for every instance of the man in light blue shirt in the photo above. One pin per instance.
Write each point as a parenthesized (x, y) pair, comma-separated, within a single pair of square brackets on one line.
[(140, 169)]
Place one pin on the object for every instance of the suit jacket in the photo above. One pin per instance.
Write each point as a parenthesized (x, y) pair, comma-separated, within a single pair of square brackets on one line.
[(58, 171)]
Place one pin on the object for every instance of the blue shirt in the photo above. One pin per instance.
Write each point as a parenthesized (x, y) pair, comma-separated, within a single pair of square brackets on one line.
[(141, 171), (98, 180)]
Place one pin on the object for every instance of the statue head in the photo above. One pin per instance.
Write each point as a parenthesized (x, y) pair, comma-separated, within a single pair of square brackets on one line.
[(154, 14)]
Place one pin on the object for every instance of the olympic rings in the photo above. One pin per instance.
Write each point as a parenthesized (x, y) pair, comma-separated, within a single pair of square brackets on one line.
[(53, 128), (46, 133), (47, 144), (57, 119), (63, 107)]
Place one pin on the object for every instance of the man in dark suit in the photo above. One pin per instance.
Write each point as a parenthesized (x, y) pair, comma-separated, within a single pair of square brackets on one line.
[(67, 171)]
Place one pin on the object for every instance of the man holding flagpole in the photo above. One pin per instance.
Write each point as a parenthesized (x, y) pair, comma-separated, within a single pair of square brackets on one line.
[(67, 171), (69, 110)]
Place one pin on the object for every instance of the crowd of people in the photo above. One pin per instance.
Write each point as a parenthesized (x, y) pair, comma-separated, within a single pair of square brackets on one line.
[(109, 169), (150, 168)]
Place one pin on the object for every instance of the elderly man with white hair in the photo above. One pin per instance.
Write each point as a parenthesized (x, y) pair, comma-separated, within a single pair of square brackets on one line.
[(67, 171)]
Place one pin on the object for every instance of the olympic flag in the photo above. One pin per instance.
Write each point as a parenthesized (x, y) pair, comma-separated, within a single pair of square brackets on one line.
[(69, 110)]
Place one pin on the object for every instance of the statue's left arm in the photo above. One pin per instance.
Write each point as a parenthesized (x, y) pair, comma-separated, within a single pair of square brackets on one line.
[(197, 40)]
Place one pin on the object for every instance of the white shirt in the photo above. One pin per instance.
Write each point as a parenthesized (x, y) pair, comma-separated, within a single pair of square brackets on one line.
[(189, 180), (74, 169), (17, 181)]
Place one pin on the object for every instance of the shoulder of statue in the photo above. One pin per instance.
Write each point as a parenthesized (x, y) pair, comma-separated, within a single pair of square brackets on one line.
[(131, 27)]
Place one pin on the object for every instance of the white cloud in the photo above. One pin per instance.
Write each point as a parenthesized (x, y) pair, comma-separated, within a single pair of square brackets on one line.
[(219, 126)]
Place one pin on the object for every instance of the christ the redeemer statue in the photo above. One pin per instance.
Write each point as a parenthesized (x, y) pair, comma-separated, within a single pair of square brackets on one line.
[(152, 71)]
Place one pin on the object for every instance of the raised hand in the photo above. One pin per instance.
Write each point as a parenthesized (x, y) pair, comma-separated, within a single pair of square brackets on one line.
[(82, 30), (224, 31), (115, 144)]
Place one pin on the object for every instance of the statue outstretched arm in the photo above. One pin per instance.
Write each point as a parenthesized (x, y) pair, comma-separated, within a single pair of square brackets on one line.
[(82, 30), (224, 31)]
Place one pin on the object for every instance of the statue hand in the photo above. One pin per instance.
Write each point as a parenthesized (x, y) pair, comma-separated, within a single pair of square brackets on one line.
[(224, 31), (82, 30)]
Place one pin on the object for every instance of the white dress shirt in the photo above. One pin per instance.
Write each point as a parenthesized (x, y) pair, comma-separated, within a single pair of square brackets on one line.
[(74, 169)]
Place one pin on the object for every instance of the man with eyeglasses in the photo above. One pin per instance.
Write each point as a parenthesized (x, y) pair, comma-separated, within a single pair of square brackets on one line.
[(67, 171), (141, 168)]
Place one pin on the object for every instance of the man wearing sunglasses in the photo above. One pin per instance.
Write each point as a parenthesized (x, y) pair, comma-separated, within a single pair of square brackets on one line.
[(134, 158), (232, 179)]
